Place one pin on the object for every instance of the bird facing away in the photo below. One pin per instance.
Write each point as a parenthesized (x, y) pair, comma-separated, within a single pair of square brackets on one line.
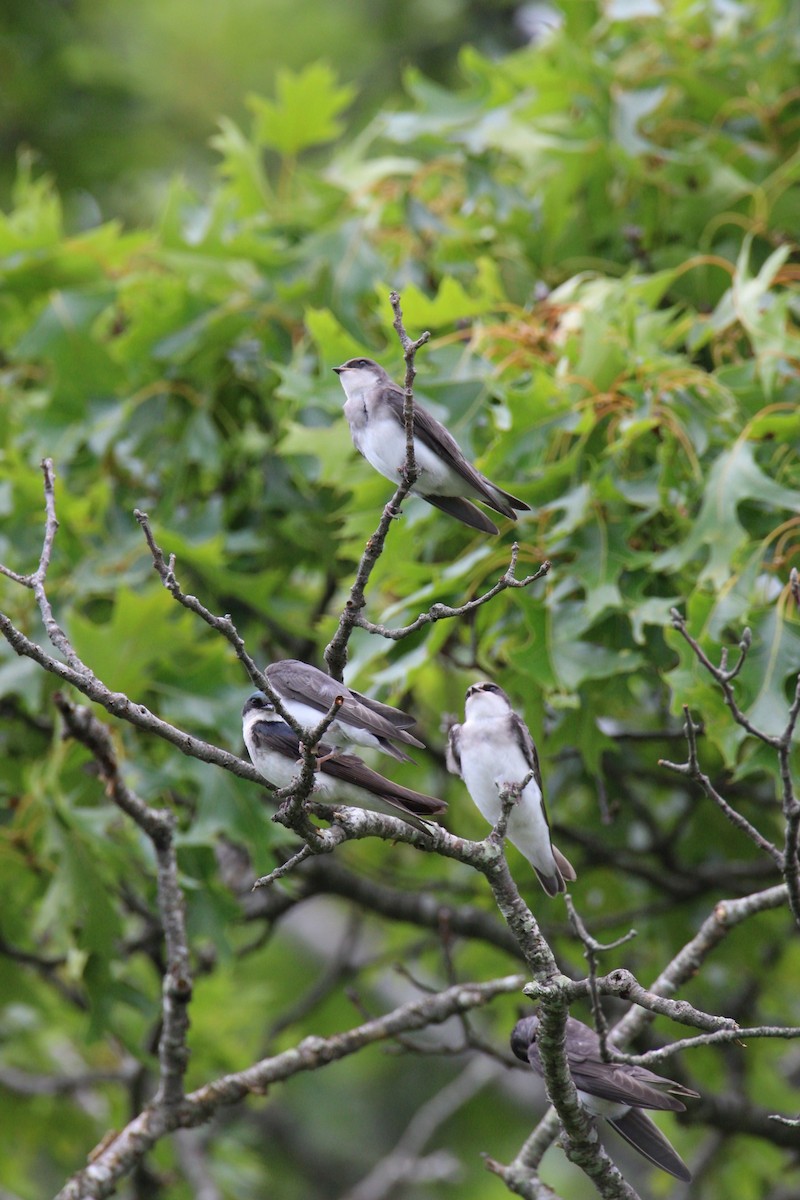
[(494, 748), (308, 693), (616, 1091), (374, 411), (274, 750)]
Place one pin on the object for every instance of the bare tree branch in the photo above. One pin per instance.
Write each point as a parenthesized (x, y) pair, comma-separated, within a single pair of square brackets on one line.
[(691, 768), (36, 580), (726, 915), (439, 612), (579, 1135), (788, 860), (336, 651), (410, 349), (119, 705), (113, 1160), (224, 625), (159, 825)]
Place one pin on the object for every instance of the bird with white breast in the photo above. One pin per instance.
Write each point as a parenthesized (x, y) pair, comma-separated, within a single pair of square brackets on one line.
[(446, 479), (493, 749)]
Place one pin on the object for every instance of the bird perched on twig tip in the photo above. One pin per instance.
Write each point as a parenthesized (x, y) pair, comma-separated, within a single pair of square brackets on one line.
[(374, 411), (275, 751), (616, 1091)]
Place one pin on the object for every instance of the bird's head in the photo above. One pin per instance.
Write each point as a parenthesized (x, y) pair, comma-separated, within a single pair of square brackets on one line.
[(359, 373), (257, 706), (523, 1035), (486, 700)]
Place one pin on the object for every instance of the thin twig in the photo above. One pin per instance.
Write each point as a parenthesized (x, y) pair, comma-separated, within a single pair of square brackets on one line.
[(787, 860), (37, 579), (158, 825), (165, 568), (591, 949), (624, 984), (267, 880), (410, 348), (691, 768), (439, 612), (723, 676), (335, 654)]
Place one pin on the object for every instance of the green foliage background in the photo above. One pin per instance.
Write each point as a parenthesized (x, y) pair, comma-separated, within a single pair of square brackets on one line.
[(599, 231)]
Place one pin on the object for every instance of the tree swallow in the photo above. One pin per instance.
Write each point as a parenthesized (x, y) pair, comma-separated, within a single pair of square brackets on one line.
[(374, 410), (615, 1091), (492, 749), (307, 694), (340, 779)]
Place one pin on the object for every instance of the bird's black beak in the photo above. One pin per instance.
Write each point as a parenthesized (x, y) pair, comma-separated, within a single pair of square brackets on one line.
[(338, 370)]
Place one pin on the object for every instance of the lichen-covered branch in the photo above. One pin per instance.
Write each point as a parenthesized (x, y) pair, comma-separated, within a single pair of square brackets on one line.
[(115, 1158), (158, 825)]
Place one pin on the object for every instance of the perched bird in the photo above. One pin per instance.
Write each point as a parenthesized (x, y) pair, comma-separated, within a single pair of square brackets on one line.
[(494, 748), (274, 749), (374, 410), (307, 694), (615, 1091)]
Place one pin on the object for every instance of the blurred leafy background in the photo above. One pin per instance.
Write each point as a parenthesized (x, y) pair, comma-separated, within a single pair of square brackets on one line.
[(599, 230), (115, 98)]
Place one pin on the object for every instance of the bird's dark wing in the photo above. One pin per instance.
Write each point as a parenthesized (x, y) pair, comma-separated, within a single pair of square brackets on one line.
[(395, 716), (618, 1082), (637, 1129), (350, 769), (441, 442), (453, 756), (277, 735), (522, 736), (463, 511), (305, 684), (523, 1036)]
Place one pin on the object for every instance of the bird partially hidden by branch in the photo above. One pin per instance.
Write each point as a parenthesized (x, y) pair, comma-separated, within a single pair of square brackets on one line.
[(275, 749), (307, 693), (616, 1091), (445, 478)]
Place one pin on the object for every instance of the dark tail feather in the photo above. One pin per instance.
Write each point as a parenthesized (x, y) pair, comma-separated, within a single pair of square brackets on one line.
[(351, 769), (552, 884), (395, 751), (564, 865), (393, 715), (557, 882), (645, 1136), (462, 510), (512, 502)]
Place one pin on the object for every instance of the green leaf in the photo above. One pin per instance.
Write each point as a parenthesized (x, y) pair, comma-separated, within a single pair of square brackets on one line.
[(734, 478), (453, 301), (774, 658), (307, 110)]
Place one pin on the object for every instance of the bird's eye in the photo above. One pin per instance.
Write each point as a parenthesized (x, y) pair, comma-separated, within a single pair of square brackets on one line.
[(490, 687), (362, 362)]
